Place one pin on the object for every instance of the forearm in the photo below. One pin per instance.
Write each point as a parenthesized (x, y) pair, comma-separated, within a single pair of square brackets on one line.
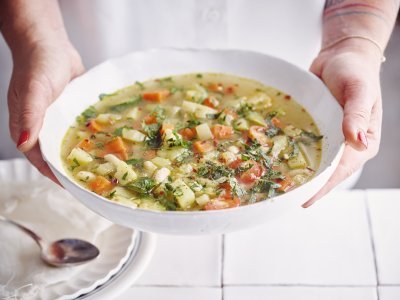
[(372, 19), (25, 23)]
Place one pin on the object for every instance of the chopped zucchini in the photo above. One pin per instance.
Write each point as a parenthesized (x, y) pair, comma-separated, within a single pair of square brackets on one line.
[(297, 162), (280, 143), (256, 118), (241, 124), (161, 162), (183, 194), (124, 173)]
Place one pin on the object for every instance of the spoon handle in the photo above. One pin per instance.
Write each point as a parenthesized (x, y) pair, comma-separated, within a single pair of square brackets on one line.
[(33, 235)]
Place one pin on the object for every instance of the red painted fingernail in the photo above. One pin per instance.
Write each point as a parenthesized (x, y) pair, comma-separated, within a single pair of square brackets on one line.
[(23, 138), (362, 138)]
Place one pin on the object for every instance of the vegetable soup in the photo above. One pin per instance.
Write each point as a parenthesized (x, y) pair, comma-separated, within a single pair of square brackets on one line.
[(193, 142)]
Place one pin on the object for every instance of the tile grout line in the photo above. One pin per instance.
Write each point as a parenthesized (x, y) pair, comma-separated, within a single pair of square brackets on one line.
[(372, 241), (223, 265)]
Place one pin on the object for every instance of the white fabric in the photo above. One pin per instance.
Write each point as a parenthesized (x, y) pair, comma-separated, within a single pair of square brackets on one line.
[(101, 29), (37, 204)]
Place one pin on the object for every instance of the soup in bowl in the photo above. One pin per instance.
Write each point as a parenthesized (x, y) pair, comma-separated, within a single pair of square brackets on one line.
[(239, 138)]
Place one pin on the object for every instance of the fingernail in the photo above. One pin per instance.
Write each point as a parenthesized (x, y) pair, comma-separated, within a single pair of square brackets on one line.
[(362, 138), (23, 138)]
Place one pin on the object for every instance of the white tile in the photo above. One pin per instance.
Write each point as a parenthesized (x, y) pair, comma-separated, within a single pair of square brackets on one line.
[(326, 244), (171, 293), (299, 293), (389, 292), (183, 260), (384, 207)]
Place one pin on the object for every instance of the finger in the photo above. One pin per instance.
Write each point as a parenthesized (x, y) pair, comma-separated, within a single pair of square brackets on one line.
[(35, 157), (352, 160), (28, 103), (358, 103), (347, 166)]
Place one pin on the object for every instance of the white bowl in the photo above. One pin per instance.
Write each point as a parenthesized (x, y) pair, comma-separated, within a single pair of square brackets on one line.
[(117, 73)]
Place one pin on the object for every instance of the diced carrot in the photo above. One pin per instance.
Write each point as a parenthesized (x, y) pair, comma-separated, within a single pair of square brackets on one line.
[(203, 146), (166, 126), (149, 154), (235, 164), (227, 190), (222, 131), (157, 96), (188, 133), (150, 119), (86, 145), (211, 102), (100, 185), (286, 184), (276, 122), (222, 204), (94, 127), (116, 147)]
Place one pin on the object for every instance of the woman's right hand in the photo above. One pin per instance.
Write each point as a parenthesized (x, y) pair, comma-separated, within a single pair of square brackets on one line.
[(40, 73)]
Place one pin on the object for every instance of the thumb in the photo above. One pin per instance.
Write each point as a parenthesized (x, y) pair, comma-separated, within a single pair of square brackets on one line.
[(358, 103), (27, 104)]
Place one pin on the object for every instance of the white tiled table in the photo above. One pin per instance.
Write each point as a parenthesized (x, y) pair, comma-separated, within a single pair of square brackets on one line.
[(346, 247)]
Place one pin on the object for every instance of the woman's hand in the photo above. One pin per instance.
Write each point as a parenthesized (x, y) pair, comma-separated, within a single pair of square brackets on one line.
[(41, 71), (351, 72)]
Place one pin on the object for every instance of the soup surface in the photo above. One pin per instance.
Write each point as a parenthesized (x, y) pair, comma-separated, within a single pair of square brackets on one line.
[(192, 142)]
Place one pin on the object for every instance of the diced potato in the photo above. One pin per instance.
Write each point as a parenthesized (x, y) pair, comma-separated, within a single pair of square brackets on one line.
[(260, 100), (105, 169), (234, 149), (133, 113), (241, 124), (189, 106), (183, 194), (280, 143), (161, 175), (204, 132), (107, 118), (133, 135), (124, 173), (161, 162), (203, 199), (81, 156), (297, 162), (85, 176), (123, 192), (149, 167)]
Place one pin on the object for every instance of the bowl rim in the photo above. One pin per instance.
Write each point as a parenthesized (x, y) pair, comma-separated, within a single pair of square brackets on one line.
[(167, 213)]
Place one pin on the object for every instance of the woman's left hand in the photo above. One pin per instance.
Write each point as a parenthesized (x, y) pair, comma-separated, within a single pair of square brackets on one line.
[(351, 72)]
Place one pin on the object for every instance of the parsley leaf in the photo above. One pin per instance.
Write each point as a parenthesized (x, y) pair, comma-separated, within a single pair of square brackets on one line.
[(142, 185)]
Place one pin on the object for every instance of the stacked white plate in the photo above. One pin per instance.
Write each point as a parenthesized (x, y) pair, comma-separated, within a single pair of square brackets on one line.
[(124, 253)]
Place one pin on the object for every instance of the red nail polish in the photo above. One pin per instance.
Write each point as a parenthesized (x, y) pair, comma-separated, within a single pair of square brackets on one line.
[(362, 138), (23, 138)]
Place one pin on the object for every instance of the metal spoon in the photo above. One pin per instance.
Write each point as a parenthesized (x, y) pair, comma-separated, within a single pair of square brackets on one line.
[(61, 253)]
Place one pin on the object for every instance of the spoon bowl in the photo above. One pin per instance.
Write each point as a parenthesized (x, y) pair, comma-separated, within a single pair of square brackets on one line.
[(61, 253)]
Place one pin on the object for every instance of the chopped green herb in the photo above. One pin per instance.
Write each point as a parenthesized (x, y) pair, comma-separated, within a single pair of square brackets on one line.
[(142, 185), (123, 106), (140, 85), (136, 162)]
